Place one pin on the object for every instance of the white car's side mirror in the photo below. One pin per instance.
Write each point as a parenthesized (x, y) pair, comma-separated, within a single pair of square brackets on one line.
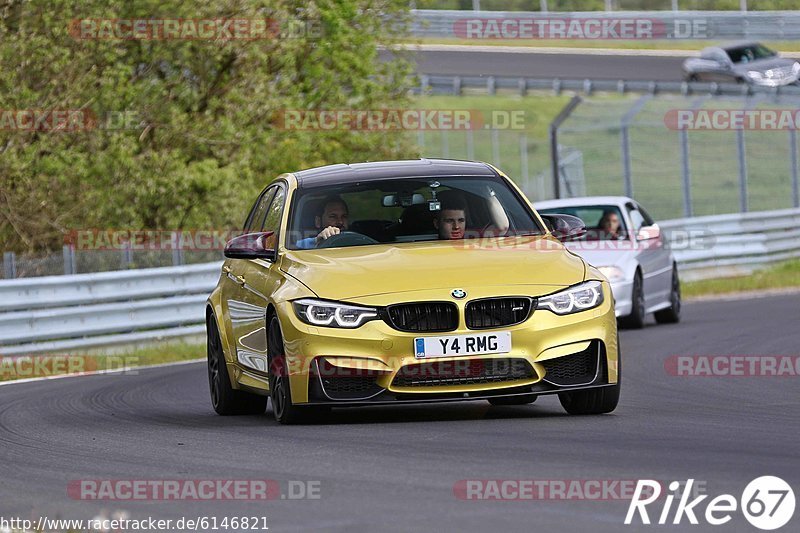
[(647, 233)]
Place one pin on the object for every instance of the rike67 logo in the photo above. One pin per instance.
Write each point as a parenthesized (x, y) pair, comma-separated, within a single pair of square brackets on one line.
[(767, 503)]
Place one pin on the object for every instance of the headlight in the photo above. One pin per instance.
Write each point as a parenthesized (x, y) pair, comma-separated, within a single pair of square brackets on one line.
[(796, 68), (754, 74), (333, 314), (612, 273), (581, 297)]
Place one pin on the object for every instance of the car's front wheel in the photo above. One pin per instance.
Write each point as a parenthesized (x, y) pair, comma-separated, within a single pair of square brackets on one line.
[(224, 398), (672, 314), (635, 320), (283, 408)]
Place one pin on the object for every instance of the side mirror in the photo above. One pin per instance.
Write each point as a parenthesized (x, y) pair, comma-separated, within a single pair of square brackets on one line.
[(565, 227), (251, 246), (648, 233)]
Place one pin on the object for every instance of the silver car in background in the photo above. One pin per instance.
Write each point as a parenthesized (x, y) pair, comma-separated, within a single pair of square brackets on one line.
[(633, 256), (748, 62)]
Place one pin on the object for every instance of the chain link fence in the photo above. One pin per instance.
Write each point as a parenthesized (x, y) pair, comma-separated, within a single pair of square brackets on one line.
[(686, 156), (72, 261)]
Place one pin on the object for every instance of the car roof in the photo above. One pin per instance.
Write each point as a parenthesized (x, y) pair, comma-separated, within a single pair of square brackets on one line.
[(583, 200), (412, 168), (739, 44)]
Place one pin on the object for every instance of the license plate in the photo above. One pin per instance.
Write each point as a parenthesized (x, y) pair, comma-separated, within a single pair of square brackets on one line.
[(459, 345)]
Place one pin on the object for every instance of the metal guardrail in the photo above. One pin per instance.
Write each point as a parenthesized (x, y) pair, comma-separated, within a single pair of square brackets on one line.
[(737, 243), (664, 25), (60, 313), (456, 85)]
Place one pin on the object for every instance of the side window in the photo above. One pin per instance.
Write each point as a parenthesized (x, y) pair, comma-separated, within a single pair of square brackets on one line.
[(648, 220), (259, 211), (272, 221), (636, 219)]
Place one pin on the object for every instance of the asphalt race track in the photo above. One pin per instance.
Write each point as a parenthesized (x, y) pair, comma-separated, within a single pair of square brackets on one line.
[(550, 65), (394, 469)]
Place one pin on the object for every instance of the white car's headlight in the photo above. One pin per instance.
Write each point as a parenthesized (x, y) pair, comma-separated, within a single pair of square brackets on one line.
[(796, 68), (612, 273), (587, 295), (754, 74), (332, 314)]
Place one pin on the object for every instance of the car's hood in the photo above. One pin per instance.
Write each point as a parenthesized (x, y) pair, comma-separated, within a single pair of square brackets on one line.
[(359, 271), (601, 254), (763, 65)]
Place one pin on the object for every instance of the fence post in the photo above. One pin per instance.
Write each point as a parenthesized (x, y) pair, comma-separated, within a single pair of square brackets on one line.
[(495, 147), (470, 145), (127, 255), (445, 145), (740, 147), (69, 259), (523, 161), (9, 265), (627, 118), (543, 6), (560, 118), (177, 251), (793, 152), (686, 175)]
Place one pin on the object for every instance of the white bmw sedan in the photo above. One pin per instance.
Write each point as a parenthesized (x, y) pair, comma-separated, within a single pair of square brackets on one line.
[(627, 246)]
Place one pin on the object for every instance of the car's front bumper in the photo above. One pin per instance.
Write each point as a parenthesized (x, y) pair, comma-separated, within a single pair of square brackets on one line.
[(623, 297), (375, 351)]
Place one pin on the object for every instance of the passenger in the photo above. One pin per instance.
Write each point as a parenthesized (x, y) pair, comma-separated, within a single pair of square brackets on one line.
[(451, 220)]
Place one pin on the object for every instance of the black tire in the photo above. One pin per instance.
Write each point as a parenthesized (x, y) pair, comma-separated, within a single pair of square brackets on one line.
[(594, 401), (514, 400), (672, 314), (283, 409), (692, 78), (635, 320), (224, 398)]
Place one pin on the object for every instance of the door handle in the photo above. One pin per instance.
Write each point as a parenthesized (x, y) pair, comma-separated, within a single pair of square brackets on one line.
[(226, 269), (240, 280)]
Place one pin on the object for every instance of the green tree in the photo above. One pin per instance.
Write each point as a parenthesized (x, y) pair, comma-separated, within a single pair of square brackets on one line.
[(202, 137)]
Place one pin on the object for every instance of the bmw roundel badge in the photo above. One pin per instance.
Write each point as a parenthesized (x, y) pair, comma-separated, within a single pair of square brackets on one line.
[(458, 293)]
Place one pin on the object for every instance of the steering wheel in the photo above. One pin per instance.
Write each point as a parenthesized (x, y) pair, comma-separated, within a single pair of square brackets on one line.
[(346, 238)]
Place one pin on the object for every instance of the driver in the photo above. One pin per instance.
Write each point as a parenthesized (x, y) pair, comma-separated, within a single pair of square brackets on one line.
[(332, 219), (609, 226), (451, 220)]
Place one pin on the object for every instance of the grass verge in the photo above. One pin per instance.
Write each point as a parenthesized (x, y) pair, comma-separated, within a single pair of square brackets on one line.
[(782, 275), (47, 365)]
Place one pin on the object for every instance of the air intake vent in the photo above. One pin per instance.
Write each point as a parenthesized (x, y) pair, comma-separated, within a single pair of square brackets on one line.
[(423, 316), (497, 312)]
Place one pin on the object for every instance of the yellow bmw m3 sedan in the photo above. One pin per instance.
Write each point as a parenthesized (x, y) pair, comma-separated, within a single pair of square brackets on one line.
[(406, 281)]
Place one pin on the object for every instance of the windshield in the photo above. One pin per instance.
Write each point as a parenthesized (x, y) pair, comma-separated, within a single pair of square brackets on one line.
[(407, 210), (603, 222), (746, 54)]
